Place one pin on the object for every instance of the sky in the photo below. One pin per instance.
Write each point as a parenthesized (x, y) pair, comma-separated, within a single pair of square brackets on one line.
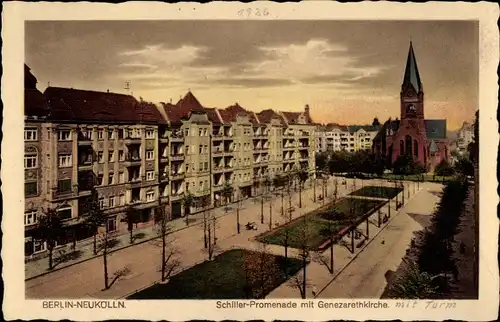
[(347, 71)]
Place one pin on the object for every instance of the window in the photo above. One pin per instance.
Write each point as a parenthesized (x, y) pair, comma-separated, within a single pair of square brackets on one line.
[(111, 201), (100, 179), (200, 186), (120, 133), (64, 160), (121, 199), (38, 246), (30, 161), (110, 178), (30, 134), (30, 218), (121, 155), (64, 135), (100, 134), (65, 212), (101, 203), (150, 134), (187, 149), (187, 168), (150, 175), (100, 156), (30, 188), (111, 224), (187, 186), (121, 177), (111, 156), (150, 155), (111, 133), (150, 196), (201, 167), (201, 148), (206, 165), (206, 149), (64, 185)]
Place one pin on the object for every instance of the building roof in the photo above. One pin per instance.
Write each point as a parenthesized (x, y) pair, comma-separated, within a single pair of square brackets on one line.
[(67, 104), (213, 115), (291, 117), (266, 116), (412, 76), (189, 102), (35, 103), (367, 128), (436, 129)]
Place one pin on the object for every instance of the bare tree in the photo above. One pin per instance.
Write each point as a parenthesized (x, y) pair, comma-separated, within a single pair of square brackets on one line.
[(48, 230), (239, 206), (302, 176), (212, 239), (105, 245), (131, 217), (168, 262), (260, 270), (303, 239), (94, 218), (300, 282), (203, 203)]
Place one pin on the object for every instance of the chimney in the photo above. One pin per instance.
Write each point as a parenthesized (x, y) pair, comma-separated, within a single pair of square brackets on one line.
[(107, 91), (170, 101), (306, 112)]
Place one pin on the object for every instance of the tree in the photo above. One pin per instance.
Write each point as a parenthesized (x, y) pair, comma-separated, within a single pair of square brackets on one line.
[(212, 240), (239, 205), (279, 182), (302, 175), (187, 201), (168, 263), (227, 193), (48, 230), (444, 169), (131, 217), (303, 237), (321, 161), (105, 245), (94, 218), (464, 167), (261, 269), (413, 284), (203, 203)]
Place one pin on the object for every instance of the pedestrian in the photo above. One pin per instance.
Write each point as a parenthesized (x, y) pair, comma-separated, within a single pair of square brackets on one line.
[(314, 291)]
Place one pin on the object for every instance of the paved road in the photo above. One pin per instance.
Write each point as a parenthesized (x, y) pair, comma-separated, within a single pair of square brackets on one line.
[(365, 277)]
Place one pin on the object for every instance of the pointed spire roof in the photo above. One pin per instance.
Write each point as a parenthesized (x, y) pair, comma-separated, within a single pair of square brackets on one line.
[(412, 77)]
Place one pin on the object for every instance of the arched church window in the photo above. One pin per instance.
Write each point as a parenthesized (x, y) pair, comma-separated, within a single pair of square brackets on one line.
[(401, 147), (408, 142), (415, 148)]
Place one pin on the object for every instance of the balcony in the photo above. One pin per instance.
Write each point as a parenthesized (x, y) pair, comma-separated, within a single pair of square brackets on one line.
[(218, 135), (201, 193), (58, 195), (132, 160), (228, 136), (177, 137), (228, 167), (177, 175), (163, 158), (132, 140), (176, 195), (133, 183), (217, 152), (84, 141), (176, 157), (218, 169), (85, 166), (163, 138), (163, 177), (218, 186)]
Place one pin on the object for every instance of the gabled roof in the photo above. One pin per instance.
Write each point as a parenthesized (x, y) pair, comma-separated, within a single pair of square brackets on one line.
[(367, 128), (291, 117), (436, 129), (189, 102), (183, 108), (213, 115), (230, 113), (412, 76), (35, 103), (67, 104), (266, 116)]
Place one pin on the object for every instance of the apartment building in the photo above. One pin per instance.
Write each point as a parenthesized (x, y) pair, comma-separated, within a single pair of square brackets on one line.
[(465, 136), (351, 138), (138, 154)]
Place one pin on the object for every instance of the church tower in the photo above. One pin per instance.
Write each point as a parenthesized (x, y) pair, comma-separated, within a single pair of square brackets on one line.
[(412, 91)]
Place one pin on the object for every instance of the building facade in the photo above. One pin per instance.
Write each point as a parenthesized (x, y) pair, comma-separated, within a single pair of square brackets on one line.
[(424, 141), (465, 136), (350, 138), (138, 155)]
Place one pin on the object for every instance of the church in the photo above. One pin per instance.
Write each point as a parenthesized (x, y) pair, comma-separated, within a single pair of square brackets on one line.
[(423, 140)]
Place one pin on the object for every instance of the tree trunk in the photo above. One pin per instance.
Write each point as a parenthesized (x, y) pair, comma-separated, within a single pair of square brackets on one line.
[(238, 219), (209, 246), (300, 195), (74, 238), (205, 242), (352, 239), (262, 210), (270, 215), (105, 260), (163, 255), (290, 206), (368, 228), (282, 210), (286, 254), (331, 257), (95, 242), (50, 258), (215, 238), (304, 278), (379, 220), (131, 234), (186, 212), (314, 190)]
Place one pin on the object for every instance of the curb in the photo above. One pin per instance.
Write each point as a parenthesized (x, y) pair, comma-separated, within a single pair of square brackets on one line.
[(361, 250)]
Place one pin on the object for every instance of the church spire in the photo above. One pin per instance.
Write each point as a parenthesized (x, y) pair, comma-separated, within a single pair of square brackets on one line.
[(412, 77)]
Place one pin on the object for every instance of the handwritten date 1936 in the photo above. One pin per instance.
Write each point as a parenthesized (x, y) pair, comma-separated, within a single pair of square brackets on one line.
[(253, 12)]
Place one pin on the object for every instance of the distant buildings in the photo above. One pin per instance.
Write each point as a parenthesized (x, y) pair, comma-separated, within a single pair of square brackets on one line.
[(139, 154), (423, 140), (465, 136), (350, 138)]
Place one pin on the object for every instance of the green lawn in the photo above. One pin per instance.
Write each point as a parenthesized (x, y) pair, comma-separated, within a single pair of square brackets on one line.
[(223, 278), (378, 192), (317, 226)]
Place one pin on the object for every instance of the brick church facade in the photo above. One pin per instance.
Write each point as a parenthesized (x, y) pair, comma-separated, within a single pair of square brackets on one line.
[(423, 140)]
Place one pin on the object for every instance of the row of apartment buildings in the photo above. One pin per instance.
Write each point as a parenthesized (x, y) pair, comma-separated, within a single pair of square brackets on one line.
[(350, 138), (140, 154)]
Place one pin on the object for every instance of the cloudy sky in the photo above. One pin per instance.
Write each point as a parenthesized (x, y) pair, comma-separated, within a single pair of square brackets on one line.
[(347, 71)]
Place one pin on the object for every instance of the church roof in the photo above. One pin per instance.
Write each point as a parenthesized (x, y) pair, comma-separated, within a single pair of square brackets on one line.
[(436, 129), (412, 76)]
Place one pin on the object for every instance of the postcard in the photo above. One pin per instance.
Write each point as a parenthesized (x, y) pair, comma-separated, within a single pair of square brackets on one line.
[(293, 161)]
